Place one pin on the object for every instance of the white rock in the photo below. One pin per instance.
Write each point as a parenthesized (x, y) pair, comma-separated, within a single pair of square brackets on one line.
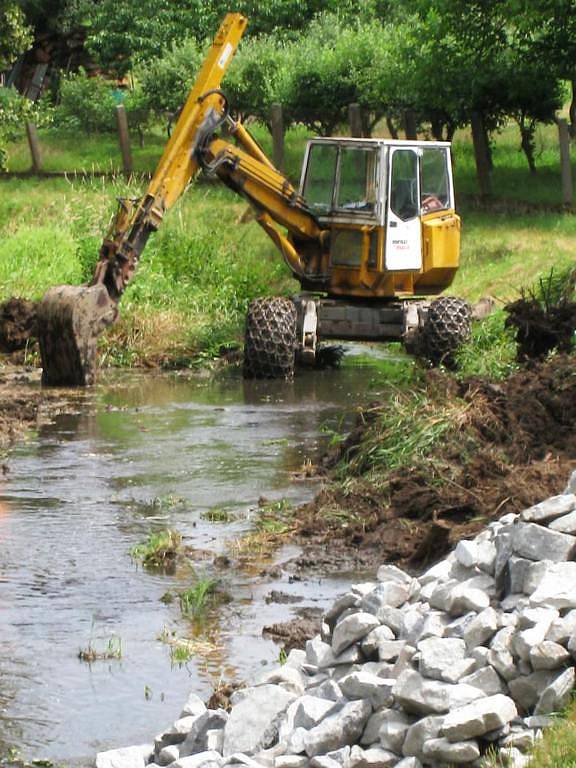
[(215, 740), (371, 758), (125, 757), (526, 689), (486, 680), (434, 625), (195, 741), (565, 524), (522, 739), (503, 663), (387, 594), (390, 650), (375, 637), (548, 655), (478, 718), (480, 656), (291, 761), (341, 604), (327, 690), (194, 706), (250, 726), (525, 640), (571, 487), (317, 651), (481, 629), (516, 571), (199, 760), (458, 627), (438, 654), (562, 629), (295, 740), (292, 679), (393, 728), (502, 640), (413, 618), (389, 572), (364, 685), (476, 553), (308, 711), (337, 757), (557, 694), (438, 572), (409, 762), (296, 658), (339, 729), (168, 754), (178, 731), (465, 598), (451, 752), (351, 629), (391, 617), (535, 542), (418, 734), (550, 509), (421, 696), (557, 587)]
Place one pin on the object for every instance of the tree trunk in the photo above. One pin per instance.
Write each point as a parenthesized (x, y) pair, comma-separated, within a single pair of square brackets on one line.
[(410, 124), (392, 130), (481, 154), (527, 142), (573, 109), (437, 128)]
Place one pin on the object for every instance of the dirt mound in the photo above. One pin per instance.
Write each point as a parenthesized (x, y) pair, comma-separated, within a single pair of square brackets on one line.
[(539, 330), (516, 446), (17, 324)]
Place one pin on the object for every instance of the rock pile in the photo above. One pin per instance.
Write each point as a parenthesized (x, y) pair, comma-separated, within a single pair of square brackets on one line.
[(478, 651)]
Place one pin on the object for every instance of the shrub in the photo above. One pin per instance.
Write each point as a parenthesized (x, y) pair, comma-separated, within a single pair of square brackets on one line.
[(15, 110), (87, 103)]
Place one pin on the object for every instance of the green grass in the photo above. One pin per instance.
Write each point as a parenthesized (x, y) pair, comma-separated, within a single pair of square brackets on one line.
[(195, 601), (558, 747), (159, 550), (198, 273)]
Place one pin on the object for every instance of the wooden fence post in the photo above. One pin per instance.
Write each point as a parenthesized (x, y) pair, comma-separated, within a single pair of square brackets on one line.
[(124, 139), (277, 121), (355, 120), (34, 145), (565, 164), (481, 154)]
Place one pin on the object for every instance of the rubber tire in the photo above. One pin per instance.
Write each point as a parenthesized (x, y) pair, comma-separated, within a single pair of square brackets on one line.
[(448, 326), (270, 339)]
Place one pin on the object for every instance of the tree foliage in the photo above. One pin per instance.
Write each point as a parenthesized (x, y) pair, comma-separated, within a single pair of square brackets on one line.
[(15, 34)]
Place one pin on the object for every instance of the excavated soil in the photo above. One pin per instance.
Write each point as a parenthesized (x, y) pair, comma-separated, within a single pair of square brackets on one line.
[(17, 324), (516, 447)]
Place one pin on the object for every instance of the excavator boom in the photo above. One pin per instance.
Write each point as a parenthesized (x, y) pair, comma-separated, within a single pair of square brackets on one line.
[(70, 318)]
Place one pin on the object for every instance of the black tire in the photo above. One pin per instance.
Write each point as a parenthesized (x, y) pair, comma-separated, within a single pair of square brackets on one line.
[(447, 327), (270, 339)]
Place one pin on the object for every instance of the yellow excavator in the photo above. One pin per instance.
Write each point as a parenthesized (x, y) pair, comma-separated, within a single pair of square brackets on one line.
[(370, 233)]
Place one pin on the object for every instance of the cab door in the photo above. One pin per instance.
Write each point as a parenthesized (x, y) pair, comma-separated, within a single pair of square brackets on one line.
[(403, 228)]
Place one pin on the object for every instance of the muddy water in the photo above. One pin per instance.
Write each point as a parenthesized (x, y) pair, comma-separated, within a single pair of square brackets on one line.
[(139, 454)]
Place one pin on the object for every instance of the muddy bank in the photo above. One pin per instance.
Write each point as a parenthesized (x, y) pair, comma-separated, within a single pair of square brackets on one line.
[(513, 444), (23, 404)]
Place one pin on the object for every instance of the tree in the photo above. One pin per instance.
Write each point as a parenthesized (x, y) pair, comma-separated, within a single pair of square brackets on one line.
[(15, 34)]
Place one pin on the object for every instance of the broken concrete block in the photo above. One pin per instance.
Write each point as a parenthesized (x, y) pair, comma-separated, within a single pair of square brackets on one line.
[(562, 629), (250, 726), (371, 758), (364, 685), (375, 637), (486, 680), (387, 594), (481, 629), (557, 587), (476, 553), (393, 728), (548, 655), (438, 654), (418, 734), (526, 689), (390, 572)]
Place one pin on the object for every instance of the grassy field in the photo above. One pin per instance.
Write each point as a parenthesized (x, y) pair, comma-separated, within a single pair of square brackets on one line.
[(200, 271)]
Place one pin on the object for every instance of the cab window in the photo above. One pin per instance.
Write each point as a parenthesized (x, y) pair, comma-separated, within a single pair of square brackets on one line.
[(357, 179), (435, 181), (320, 177), (340, 177), (404, 184)]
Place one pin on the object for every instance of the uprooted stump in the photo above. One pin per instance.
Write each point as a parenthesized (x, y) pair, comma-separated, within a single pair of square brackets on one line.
[(17, 324), (540, 329)]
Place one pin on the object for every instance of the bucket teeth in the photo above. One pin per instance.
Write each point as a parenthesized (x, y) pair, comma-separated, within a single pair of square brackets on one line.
[(70, 320)]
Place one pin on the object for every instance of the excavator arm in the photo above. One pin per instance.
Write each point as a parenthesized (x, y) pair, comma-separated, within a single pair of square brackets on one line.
[(70, 318)]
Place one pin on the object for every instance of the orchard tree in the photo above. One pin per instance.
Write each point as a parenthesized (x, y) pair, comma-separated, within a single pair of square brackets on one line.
[(15, 34)]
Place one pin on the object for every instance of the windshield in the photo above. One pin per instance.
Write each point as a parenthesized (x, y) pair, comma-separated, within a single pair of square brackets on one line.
[(435, 181), (341, 177)]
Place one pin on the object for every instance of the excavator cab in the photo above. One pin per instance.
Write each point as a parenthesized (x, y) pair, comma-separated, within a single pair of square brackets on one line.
[(385, 203)]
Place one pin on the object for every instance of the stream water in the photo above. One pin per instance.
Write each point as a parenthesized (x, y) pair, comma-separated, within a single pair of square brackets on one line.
[(141, 453)]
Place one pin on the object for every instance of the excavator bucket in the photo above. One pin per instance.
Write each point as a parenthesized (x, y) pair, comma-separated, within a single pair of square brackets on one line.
[(69, 321)]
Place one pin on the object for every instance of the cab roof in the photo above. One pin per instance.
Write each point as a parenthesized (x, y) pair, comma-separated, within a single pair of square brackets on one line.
[(379, 142)]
